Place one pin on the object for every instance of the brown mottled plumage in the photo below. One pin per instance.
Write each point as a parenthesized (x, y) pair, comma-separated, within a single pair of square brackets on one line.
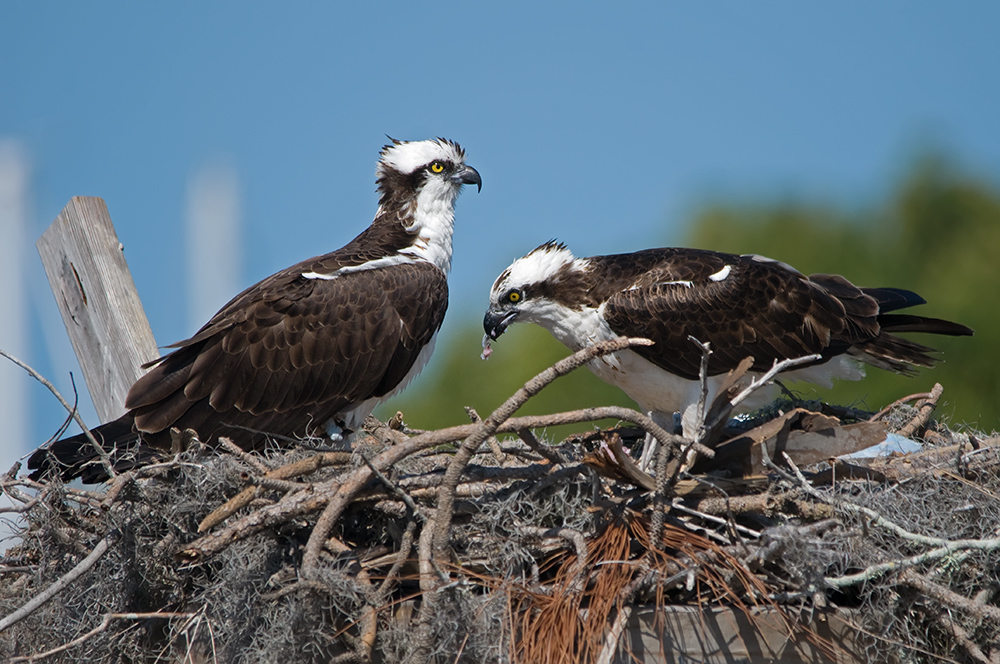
[(742, 306), (311, 349)]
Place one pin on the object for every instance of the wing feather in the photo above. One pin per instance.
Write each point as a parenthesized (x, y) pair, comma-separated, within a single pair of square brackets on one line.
[(753, 309), (293, 349)]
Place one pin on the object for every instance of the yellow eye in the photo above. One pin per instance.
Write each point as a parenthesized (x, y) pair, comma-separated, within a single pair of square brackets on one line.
[(437, 167), (514, 296)]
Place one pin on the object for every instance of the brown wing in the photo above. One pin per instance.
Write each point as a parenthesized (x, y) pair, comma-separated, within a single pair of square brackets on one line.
[(757, 308), (290, 352)]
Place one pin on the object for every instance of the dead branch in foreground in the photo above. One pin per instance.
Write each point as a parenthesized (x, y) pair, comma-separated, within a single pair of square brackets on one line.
[(414, 548)]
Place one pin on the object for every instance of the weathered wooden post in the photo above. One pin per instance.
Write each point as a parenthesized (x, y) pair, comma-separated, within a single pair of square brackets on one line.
[(100, 306)]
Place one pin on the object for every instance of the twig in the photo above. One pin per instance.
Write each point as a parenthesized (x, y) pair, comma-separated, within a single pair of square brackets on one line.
[(644, 422), (423, 637), (368, 623), (492, 440), (117, 486), (706, 354), (898, 402), (405, 546), (249, 459), (764, 379), (660, 495), (428, 566), (531, 441), (393, 489), (964, 639), (9, 485), (556, 476), (273, 484), (385, 432), (945, 547), (105, 459), (26, 505), (446, 499), (729, 523), (946, 596), (924, 409), (574, 537), (876, 518), (105, 622), (719, 411), (41, 598), (286, 472)]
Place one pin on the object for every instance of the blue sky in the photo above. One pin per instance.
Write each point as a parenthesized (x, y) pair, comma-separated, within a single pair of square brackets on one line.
[(602, 127)]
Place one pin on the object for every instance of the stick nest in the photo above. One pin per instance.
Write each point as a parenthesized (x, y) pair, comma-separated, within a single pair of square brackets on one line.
[(480, 543)]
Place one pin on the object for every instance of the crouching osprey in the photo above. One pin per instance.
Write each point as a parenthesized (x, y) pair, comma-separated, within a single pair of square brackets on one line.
[(311, 350), (743, 306)]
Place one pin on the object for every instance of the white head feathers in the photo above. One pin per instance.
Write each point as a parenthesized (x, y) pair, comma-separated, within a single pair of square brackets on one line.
[(407, 156), (538, 265)]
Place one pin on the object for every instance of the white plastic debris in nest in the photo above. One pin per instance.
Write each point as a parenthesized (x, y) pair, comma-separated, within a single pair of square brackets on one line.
[(893, 444)]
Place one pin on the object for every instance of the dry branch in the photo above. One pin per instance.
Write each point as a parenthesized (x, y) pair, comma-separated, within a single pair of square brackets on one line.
[(41, 598), (873, 572), (936, 591), (924, 409), (286, 472), (74, 413), (104, 624)]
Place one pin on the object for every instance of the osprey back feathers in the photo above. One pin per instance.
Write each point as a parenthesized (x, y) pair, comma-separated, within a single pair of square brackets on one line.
[(743, 306), (311, 350)]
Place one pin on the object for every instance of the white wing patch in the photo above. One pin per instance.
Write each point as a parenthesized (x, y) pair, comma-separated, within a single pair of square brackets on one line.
[(388, 261), (721, 274), (682, 282)]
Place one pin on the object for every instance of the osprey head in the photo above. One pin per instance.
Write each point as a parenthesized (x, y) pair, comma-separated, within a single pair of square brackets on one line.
[(418, 185), (528, 290), (407, 168)]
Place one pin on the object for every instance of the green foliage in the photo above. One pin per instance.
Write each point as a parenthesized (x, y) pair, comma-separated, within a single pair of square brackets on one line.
[(937, 234)]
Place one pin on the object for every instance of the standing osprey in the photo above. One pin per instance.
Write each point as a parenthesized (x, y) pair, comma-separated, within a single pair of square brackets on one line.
[(743, 306), (312, 349)]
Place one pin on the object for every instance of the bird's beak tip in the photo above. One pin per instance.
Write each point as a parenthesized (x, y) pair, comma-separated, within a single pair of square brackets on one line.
[(471, 176), (496, 322)]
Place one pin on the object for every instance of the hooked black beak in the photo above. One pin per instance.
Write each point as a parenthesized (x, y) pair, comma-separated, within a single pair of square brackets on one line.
[(469, 175), (495, 322)]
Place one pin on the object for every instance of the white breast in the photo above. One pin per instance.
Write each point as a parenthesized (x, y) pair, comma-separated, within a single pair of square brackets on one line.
[(434, 222), (655, 390), (354, 418)]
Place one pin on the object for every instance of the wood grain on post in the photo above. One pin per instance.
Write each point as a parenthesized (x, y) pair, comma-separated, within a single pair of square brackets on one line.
[(100, 306)]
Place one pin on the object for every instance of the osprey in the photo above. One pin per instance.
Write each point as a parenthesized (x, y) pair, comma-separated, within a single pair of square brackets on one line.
[(742, 306), (311, 350)]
